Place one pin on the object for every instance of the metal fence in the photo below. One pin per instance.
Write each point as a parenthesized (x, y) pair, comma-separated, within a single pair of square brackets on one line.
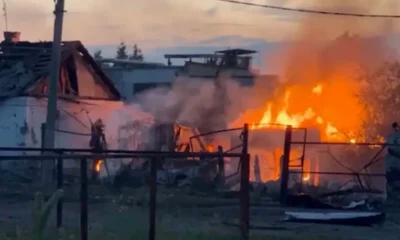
[(84, 156), (330, 166)]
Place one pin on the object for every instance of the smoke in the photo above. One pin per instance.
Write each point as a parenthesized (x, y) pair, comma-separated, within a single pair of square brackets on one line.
[(333, 51), (188, 101), (126, 128), (314, 31), (325, 49), (125, 122)]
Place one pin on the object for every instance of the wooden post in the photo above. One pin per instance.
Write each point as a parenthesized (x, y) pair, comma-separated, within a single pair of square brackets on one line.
[(84, 199), (285, 164), (244, 185), (153, 199), (60, 184)]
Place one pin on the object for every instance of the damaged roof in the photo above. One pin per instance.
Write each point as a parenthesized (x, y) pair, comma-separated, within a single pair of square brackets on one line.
[(23, 64)]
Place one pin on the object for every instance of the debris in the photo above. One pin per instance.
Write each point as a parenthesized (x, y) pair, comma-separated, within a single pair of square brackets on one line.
[(128, 177), (360, 199), (341, 218)]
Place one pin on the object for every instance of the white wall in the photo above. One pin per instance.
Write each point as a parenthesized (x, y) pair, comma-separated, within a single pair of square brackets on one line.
[(13, 130)]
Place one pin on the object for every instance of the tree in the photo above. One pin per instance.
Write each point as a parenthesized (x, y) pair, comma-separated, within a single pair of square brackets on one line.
[(380, 96), (121, 51), (97, 54), (136, 54)]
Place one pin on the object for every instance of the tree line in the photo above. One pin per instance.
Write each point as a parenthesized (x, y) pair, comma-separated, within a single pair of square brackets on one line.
[(122, 53)]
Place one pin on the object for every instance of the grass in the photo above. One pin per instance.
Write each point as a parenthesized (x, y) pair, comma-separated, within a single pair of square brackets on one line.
[(193, 236), (116, 223), (162, 235), (109, 221)]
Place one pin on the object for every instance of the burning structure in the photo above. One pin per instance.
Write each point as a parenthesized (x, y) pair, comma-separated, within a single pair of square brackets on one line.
[(320, 90), (304, 98), (266, 147)]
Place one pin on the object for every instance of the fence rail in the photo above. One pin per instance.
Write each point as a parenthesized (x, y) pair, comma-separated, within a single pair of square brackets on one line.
[(286, 171), (61, 154)]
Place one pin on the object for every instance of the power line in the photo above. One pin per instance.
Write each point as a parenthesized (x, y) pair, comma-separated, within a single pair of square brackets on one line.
[(312, 11)]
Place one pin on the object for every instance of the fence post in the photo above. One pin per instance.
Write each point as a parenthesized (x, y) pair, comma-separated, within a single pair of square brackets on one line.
[(84, 199), (60, 183), (42, 139), (153, 198), (285, 164), (302, 161), (244, 185)]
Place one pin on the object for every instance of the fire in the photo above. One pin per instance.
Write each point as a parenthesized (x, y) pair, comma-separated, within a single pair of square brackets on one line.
[(307, 117), (317, 89), (98, 165), (283, 117), (210, 148), (331, 130), (299, 109), (307, 168)]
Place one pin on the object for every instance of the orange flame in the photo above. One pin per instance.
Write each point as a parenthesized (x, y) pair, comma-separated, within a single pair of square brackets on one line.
[(210, 148), (317, 89), (330, 132), (98, 165), (307, 169)]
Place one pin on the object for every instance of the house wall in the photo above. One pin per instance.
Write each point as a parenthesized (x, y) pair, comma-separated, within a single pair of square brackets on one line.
[(13, 128), (21, 119), (89, 84), (200, 71), (125, 79)]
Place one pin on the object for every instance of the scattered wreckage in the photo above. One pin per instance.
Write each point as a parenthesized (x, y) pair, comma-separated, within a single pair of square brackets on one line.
[(177, 172), (355, 206), (351, 206)]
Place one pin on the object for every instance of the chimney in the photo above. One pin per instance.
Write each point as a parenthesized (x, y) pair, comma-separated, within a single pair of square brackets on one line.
[(12, 36)]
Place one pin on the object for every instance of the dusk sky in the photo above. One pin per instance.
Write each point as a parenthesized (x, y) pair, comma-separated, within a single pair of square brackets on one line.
[(173, 23)]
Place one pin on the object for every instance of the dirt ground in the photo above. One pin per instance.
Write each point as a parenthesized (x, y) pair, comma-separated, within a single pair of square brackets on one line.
[(128, 212)]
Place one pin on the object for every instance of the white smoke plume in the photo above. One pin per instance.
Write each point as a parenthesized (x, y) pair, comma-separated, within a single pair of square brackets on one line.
[(188, 101)]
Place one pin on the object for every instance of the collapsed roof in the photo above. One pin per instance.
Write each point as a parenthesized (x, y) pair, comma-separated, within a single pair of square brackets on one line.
[(25, 68)]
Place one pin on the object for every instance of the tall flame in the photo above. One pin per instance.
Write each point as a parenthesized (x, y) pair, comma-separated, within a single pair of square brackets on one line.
[(283, 117)]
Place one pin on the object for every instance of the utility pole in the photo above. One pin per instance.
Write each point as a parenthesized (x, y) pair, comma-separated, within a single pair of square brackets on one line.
[(5, 14), (49, 138)]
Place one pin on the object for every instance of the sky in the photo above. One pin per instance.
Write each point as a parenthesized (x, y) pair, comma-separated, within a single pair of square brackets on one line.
[(154, 24)]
